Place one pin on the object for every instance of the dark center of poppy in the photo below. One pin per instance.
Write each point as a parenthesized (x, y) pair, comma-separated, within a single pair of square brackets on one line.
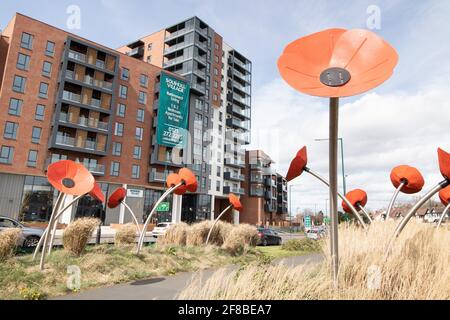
[(404, 181), (335, 77), (68, 183)]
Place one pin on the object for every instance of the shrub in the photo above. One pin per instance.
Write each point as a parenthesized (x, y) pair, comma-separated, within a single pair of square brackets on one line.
[(240, 238), (125, 235), (32, 294), (175, 235), (224, 230), (306, 245), (9, 239), (78, 233)]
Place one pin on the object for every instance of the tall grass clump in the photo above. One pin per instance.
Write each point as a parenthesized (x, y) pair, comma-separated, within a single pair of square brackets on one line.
[(198, 232), (9, 239), (77, 234), (241, 237), (175, 235), (417, 268), (305, 245), (125, 235)]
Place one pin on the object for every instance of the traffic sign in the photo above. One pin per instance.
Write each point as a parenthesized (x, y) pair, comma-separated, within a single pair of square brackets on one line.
[(163, 207)]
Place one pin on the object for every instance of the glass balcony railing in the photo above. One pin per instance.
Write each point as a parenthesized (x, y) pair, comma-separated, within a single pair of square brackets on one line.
[(84, 122), (77, 56), (245, 112), (178, 33), (246, 66), (91, 145), (96, 102), (232, 189), (65, 140), (233, 122), (70, 96), (238, 98), (234, 162), (95, 169), (245, 77), (199, 87), (100, 63)]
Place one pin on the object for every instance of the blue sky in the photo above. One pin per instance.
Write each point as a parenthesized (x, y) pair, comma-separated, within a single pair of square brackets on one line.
[(402, 121)]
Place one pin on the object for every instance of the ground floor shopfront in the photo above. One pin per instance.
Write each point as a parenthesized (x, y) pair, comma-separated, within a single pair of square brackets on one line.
[(31, 199)]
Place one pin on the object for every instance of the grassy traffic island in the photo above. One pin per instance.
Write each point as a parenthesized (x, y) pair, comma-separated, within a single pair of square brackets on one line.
[(103, 265)]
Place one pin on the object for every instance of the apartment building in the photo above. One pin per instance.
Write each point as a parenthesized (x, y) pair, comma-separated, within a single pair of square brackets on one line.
[(65, 97), (219, 117), (266, 195)]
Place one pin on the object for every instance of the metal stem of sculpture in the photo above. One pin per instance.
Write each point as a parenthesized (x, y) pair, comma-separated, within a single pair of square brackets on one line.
[(215, 222), (412, 212), (133, 215), (444, 213), (360, 207), (147, 221), (394, 197), (58, 203), (354, 211)]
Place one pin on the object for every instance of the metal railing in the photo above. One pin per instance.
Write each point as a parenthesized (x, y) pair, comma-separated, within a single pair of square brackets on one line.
[(70, 96), (77, 56), (65, 141)]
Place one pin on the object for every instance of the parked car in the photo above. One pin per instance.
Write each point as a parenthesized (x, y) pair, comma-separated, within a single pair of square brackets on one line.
[(268, 236), (30, 236), (161, 229), (314, 234)]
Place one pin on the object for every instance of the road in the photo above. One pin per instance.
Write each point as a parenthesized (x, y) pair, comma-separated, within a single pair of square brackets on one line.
[(165, 288)]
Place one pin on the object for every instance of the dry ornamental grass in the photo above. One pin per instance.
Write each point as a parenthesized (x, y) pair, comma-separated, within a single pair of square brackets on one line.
[(78, 233), (126, 235), (417, 268), (175, 235), (8, 242)]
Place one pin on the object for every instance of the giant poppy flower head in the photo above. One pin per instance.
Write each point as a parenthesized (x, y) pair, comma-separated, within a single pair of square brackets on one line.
[(337, 62), (410, 176), (235, 202), (444, 163), (174, 179), (297, 165), (70, 177), (355, 197), (117, 197), (444, 196), (188, 178), (97, 193)]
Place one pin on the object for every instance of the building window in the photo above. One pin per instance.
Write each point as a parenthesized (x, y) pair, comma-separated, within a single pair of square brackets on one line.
[(32, 158), (40, 112), (139, 133), (47, 69), (216, 84), (121, 108), (43, 90), (10, 131), (23, 62), (143, 80), (117, 149), (219, 171), (216, 46), (26, 41), (216, 58), (115, 169), (215, 98), (203, 182), (140, 115), (149, 46), (205, 122), (149, 59), (125, 75), (220, 116), (15, 107), (123, 91), (118, 131), (137, 152), (36, 135), (6, 154), (19, 84), (142, 97), (218, 186), (135, 171), (216, 71), (50, 49)]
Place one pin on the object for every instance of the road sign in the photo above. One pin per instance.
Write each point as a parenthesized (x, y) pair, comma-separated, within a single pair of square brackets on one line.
[(307, 221), (163, 207)]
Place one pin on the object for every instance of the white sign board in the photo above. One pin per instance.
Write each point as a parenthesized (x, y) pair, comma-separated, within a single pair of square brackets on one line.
[(135, 193)]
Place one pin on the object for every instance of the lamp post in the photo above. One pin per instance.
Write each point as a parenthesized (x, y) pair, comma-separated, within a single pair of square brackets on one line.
[(344, 184)]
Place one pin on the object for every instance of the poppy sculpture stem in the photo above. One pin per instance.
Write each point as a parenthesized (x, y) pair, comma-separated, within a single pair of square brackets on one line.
[(333, 153), (59, 200), (412, 212), (147, 221), (444, 213), (133, 215), (394, 197), (354, 211), (365, 212), (215, 222)]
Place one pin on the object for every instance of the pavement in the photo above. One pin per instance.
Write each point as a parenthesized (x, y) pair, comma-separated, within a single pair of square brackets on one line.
[(166, 288)]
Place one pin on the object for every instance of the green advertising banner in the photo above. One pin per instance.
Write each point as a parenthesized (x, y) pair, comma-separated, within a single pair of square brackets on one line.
[(163, 207), (307, 222), (173, 112)]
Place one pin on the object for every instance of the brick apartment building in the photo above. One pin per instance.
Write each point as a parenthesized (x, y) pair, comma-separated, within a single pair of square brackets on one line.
[(65, 97)]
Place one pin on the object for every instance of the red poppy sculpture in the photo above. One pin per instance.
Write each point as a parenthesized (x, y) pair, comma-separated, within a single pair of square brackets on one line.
[(358, 199), (405, 179), (117, 198), (444, 195), (444, 166), (69, 178), (336, 63), (235, 203), (178, 183), (298, 166)]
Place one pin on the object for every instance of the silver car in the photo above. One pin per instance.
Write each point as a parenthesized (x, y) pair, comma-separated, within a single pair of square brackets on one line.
[(30, 236)]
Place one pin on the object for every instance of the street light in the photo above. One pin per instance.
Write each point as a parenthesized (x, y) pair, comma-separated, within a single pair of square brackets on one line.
[(344, 185)]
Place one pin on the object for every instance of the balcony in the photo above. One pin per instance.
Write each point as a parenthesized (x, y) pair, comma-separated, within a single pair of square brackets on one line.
[(137, 52), (230, 189), (234, 149), (270, 208), (233, 176), (243, 137), (73, 97), (199, 73), (238, 98), (65, 141), (267, 195), (234, 163), (174, 61), (95, 169), (269, 182), (241, 76), (236, 123), (178, 33), (84, 122), (77, 56), (198, 87), (98, 83), (244, 89), (90, 145), (100, 63), (176, 47), (245, 66), (156, 176), (238, 111), (96, 103), (256, 192), (254, 178)]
